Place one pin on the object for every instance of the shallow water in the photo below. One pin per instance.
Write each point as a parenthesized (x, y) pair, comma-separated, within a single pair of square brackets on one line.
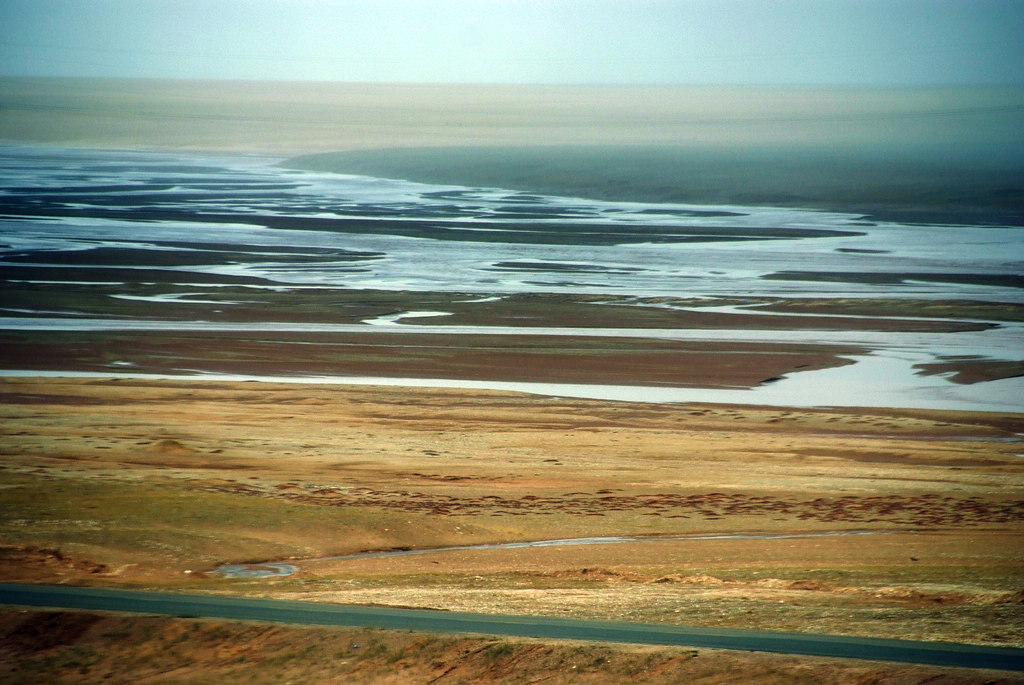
[(871, 382), (304, 228), (278, 569), (213, 218)]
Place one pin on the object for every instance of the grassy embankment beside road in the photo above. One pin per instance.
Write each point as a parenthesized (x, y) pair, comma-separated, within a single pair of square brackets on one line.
[(77, 647)]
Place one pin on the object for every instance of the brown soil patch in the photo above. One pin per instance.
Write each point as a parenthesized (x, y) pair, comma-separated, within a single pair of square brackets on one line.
[(471, 357), (39, 632), (969, 371), (43, 565)]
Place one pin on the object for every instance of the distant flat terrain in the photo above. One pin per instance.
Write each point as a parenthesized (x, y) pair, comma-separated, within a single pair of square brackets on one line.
[(154, 227), (896, 185), (943, 154)]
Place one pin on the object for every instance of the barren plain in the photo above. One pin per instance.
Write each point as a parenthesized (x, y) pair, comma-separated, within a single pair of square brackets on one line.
[(873, 521), (912, 518)]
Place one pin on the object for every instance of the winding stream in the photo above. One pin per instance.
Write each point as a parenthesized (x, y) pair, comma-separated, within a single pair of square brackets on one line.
[(277, 569)]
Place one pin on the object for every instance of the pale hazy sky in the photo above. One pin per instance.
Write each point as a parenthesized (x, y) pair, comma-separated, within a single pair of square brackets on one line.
[(874, 42)]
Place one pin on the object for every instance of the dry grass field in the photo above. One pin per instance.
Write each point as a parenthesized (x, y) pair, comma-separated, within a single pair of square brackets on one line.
[(72, 647), (143, 483)]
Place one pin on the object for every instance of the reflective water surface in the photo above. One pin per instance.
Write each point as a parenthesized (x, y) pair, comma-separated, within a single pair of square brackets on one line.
[(80, 217)]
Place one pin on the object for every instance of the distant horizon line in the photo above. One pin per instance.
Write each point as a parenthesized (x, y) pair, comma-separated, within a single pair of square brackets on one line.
[(533, 84)]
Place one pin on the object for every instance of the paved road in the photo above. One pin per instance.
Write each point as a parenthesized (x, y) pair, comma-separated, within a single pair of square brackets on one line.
[(311, 613)]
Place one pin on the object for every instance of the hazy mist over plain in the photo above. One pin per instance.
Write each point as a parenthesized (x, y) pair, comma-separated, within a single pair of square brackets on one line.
[(811, 91)]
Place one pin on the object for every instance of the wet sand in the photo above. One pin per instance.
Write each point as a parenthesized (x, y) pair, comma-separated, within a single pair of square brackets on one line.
[(515, 358)]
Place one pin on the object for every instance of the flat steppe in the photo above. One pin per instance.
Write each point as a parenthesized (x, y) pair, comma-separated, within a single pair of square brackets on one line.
[(147, 483), (901, 523)]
